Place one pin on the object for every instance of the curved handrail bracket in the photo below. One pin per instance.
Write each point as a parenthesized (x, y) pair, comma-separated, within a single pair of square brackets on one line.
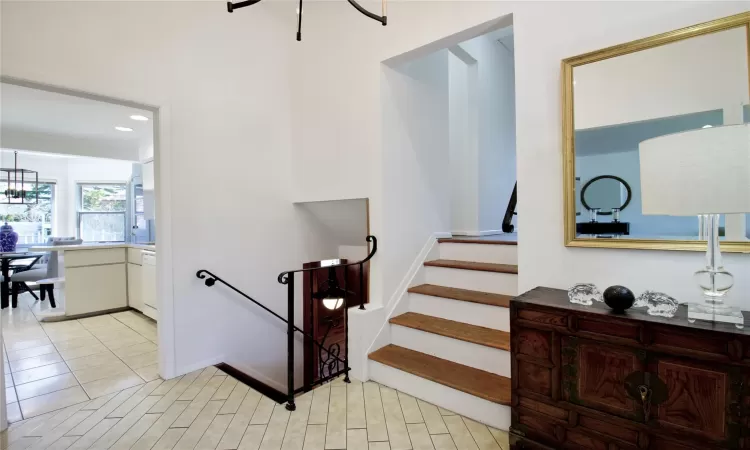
[(283, 277)]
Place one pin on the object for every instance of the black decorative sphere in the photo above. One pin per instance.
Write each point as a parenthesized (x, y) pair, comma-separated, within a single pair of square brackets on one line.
[(619, 298)]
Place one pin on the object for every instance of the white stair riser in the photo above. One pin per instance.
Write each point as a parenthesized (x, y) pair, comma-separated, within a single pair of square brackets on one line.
[(480, 357), (498, 254), (475, 408), (476, 280), (495, 317)]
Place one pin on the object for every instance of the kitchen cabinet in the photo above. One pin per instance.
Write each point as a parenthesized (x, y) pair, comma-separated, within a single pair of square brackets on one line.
[(148, 284), (95, 280), (135, 296)]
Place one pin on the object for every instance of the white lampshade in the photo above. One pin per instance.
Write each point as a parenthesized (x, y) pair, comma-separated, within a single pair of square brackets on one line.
[(703, 171)]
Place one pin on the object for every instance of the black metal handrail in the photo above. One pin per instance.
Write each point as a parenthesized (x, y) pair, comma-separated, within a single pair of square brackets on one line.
[(510, 211), (287, 278), (212, 279)]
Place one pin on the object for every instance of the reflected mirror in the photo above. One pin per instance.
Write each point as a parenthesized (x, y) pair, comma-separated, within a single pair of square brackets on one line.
[(618, 97)]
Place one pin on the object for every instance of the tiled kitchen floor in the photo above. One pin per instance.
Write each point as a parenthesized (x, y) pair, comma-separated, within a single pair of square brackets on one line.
[(50, 366), (207, 409)]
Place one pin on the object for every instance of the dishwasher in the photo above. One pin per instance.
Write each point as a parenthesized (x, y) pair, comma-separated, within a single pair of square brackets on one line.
[(148, 284)]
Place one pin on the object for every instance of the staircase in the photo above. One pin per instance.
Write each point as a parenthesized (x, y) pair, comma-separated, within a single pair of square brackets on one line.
[(453, 346)]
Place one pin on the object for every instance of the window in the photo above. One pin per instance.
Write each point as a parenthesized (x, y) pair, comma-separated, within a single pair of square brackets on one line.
[(101, 212), (32, 222)]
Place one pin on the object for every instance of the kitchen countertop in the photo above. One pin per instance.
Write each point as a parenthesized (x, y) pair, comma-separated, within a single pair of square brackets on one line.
[(91, 246)]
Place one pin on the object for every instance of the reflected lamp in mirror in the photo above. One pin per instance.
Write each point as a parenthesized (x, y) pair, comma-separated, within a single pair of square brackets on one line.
[(704, 172)]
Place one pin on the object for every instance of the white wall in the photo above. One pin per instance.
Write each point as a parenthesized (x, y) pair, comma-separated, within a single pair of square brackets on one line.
[(699, 74), (339, 69), (416, 160), (233, 84), (497, 125), (67, 172), (463, 134), (221, 82)]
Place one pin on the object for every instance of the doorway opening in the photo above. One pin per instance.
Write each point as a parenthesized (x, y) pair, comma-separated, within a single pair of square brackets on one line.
[(86, 299)]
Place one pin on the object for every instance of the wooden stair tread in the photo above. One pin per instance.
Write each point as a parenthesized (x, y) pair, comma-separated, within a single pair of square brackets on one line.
[(456, 330), (474, 241), (472, 265), (479, 383), (466, 295)]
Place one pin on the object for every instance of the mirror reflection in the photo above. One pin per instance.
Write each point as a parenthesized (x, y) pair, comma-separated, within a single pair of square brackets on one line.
[(619, 102)]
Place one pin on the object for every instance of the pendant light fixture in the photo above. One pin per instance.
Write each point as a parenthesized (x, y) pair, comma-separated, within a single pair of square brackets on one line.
[(333, 296), (382, 19), (16, 180)]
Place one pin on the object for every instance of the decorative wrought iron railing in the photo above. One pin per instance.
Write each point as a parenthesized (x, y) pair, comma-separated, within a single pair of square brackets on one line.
[(510, 212), (330, 363)]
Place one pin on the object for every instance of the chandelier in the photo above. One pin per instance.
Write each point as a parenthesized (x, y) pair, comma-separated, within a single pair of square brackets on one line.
[(382, 19), (16, 182)]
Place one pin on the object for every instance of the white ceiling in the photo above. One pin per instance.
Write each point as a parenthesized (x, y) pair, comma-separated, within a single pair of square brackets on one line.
[(60, 123)]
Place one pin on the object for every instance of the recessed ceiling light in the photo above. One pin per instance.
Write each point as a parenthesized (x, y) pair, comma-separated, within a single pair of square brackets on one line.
[(708, 126), (123, 129), (139, 117)]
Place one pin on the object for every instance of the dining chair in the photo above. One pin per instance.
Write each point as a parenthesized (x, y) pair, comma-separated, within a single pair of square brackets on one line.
[(40, 272)]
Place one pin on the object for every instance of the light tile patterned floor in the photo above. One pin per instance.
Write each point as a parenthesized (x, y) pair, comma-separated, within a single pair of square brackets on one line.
[(106, 407), (207, 409), (50, 366)]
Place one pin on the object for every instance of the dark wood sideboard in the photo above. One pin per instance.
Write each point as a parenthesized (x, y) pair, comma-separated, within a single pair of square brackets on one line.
[(586, 378)]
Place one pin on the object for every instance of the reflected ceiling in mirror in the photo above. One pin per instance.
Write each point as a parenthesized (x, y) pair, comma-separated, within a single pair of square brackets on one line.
[(616, 98)]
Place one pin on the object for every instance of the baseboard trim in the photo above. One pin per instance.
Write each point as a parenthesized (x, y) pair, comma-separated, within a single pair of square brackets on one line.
[(401, 292), (63, 318), (477, 233), (443, 234), (270, 392)]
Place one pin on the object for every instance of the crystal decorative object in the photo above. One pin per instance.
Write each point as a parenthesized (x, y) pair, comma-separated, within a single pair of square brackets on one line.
[(658, 304), (585, 294)]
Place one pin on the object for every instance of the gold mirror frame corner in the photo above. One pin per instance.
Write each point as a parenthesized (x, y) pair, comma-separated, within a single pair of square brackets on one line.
[(568, 133)]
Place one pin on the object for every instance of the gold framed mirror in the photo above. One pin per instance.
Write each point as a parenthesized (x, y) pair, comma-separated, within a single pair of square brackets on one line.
[(616, 98)]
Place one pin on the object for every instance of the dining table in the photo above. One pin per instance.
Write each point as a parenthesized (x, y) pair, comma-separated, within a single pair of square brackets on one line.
[(5, 265)]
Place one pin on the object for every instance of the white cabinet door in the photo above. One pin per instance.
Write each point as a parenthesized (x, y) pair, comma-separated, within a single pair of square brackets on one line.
[(148, 280), (95, 288), (135, 293)]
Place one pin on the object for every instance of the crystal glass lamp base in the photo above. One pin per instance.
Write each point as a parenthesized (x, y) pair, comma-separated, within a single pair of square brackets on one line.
[(716, 313)]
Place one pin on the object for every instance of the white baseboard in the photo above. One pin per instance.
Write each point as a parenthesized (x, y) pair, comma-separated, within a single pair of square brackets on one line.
[(417, 268), (477, 233), (443, 234), (258, 376), (199, 365)]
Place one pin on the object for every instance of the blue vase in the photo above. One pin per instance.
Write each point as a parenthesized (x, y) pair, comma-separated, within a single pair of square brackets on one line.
[(8, 238)]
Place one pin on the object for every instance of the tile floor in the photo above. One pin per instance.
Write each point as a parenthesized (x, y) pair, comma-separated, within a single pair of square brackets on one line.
[(92, 384), (50, 366), (207, 409)]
